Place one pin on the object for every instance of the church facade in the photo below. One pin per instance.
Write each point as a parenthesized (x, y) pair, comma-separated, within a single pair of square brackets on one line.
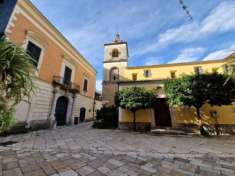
[(118, 75)]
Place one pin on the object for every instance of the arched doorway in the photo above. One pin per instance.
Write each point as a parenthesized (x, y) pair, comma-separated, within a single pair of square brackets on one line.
[(114, 74), (61, 110), (82, 114)]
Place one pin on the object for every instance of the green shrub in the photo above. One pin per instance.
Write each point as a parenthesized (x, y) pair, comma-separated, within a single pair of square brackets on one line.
[(18, 128), (6, 120), (107, 118), (135, 98)]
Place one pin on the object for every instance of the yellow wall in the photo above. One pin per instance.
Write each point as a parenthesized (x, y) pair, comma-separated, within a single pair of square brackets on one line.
[(226, 115), (163, 71), (143, 115), (185, 115)]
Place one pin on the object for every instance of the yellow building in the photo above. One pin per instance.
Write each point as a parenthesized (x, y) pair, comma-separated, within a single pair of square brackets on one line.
[(118, 75)]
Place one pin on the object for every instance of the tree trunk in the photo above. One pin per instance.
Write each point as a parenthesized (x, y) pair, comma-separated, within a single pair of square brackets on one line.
[(199, 117), (203, 131), (134, 121), (198, 112), (217, 127)]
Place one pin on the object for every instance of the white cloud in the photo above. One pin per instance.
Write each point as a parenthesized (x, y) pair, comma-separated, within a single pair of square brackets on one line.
[(180, 34), (188, 55), (221, 19), (99, 85), (152, 61), (220, 54)]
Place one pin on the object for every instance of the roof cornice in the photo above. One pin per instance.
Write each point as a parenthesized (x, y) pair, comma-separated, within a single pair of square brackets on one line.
[(115, 43), (120, 60), (180, 64), (57, 34)]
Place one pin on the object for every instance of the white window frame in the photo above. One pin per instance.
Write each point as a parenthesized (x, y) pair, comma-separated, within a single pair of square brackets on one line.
[(200, 69), (134, 75), (69, 65), (229, 68), (85, 92), (173, 72), (40, 60), (149, 73)]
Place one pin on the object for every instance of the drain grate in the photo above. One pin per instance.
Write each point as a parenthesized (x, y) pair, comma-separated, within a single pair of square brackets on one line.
[(7, 143)]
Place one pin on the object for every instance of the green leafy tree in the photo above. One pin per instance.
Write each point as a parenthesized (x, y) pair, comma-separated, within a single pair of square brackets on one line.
[(136, 98), (197, 90), (231, 62), (16, 82)]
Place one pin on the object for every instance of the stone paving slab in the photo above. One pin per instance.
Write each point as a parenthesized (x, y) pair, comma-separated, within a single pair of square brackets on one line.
[(83, 151)]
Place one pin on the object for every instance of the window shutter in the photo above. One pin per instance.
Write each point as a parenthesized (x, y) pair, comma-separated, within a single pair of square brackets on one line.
[(67, 75), (85, 85), (34, 51)]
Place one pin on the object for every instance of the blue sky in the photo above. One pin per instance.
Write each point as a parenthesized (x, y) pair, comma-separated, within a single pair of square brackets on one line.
[(157, 31)]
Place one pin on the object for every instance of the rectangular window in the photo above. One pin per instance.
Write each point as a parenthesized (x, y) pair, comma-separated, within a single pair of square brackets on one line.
[(34, 51), (229, 69), (85, 85), (67, 75), (134, 76), (173, 74), (225, 68), (214, 70), (198, 70), (147, 73)]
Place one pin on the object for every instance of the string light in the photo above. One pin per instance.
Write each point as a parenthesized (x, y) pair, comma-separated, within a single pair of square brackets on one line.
[(185, 8)]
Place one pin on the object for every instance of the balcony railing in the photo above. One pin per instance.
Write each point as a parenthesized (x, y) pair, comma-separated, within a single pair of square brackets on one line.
[(68, 85)]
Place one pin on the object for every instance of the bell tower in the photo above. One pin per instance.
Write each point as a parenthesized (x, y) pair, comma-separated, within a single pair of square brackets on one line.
[(114, 65)]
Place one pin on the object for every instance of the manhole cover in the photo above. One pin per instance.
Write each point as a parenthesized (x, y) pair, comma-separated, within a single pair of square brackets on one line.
[(7, 143)]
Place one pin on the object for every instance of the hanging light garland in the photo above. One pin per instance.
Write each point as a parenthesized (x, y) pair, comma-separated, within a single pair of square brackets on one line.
[(185, 8)]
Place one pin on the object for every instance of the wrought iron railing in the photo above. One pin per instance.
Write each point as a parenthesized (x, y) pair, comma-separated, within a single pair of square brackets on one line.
[(66, 84)]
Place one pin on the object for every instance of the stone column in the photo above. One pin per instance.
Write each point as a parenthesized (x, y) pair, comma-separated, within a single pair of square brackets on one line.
[(153, 122), (72, 108), (51, 119)]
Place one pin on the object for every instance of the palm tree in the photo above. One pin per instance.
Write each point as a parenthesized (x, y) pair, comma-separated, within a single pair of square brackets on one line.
[(16, 79)]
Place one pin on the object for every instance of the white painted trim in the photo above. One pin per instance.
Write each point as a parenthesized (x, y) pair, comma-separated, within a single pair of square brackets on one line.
[(71, 66), (49, 36), (9, 31), (85, 92), (11, 20), (69, 107), (30, 39)]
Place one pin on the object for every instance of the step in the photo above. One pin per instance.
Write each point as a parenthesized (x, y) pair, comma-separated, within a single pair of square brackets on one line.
[(171, 131)]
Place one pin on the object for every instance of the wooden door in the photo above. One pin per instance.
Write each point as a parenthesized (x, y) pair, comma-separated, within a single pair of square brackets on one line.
[(61, 111), (162, 113)]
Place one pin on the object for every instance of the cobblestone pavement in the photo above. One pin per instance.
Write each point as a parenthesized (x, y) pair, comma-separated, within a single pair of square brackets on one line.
[(82, 151)]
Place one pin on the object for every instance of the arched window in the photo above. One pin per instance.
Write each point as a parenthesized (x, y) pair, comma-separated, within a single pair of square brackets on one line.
[(114, 74), (115, 53)]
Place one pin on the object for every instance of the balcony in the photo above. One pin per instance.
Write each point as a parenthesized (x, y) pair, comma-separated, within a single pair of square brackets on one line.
[(66, 85)]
